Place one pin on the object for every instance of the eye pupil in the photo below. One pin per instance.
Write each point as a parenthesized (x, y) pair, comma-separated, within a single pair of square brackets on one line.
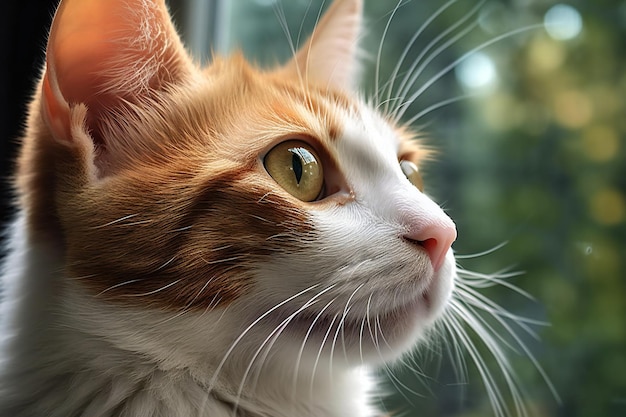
[(296, 164), (296, 167)]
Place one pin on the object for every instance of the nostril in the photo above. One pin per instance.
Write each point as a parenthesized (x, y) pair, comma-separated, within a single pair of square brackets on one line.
[(432, 247), (429, 244), (413, 241), (436, 240)]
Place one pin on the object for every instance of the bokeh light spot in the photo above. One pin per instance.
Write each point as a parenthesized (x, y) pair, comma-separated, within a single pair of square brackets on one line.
[(545, 55), (600, 143), (563, 22), (502, 112), (477, 71), (607, 207), (572, 109)]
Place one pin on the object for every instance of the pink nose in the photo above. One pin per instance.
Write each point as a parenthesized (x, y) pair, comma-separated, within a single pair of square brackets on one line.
[(436, 238)]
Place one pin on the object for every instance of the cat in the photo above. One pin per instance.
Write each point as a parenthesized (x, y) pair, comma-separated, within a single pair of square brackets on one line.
[(219, 241)]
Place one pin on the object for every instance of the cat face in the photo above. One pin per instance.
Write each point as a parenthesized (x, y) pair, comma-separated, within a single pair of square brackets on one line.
[(276, 200), (379, 298)]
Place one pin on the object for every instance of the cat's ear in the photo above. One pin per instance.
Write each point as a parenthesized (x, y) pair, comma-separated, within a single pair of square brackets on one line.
[(330, 55), (104, 53)]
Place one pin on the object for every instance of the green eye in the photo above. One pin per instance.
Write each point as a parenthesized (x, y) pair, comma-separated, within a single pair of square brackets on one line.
[(295, 166), (411, 171)]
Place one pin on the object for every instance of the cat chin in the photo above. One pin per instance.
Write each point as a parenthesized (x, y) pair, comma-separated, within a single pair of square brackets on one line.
[(365, 335)]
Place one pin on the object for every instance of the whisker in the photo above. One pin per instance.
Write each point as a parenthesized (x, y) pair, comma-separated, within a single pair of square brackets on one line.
[(493, 392), (280, 13), (408, 47), (366, 317), (405, 364), (301, 351), (400, 386), (429, 109), (263, 219), (136, 223), (479, 280), (222, 260), (376, 342), (193, 300), (471, 311), (249, 327), (462, 58), (506, 370), (439, 105), (455, 352), (319, 354), (345, 312), (306, 13), (412, 74), (271, 337), (163, 288), (497, 313), (313, 300), (340, 328), (180, 229), (380, 51), (335, 337), (468, 295), (282, 21), (166, 263), (121, 284), (403, 107), (483, 253), (121, 219)]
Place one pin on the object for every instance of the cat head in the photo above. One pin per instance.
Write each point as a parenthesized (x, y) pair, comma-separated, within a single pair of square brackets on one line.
[(271, 201)]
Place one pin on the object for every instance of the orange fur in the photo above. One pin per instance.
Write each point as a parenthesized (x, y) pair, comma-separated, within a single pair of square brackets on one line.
[(190, 153)]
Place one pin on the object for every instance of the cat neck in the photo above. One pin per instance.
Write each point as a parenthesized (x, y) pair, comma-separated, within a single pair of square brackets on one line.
[(63, 354)]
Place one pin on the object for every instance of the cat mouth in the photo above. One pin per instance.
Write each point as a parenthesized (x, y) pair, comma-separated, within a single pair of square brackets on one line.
[(368, 334), (371, 326)]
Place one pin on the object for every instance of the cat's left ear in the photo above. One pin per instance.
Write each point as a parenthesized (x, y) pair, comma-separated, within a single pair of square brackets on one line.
[(104, 54), (330, 55)]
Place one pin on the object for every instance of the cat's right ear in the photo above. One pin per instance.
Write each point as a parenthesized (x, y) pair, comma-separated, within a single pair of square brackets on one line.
[(104, 54), (330, 55)]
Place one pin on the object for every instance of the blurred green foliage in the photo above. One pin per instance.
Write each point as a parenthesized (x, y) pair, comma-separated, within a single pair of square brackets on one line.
[(537, 159)]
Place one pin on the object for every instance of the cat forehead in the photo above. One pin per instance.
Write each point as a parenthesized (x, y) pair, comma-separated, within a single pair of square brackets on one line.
[(242, 110), (369, 138), (236, 112)]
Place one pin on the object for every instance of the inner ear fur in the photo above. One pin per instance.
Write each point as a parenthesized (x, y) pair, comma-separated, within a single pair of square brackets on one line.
[(105, 55), (330, 55)]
